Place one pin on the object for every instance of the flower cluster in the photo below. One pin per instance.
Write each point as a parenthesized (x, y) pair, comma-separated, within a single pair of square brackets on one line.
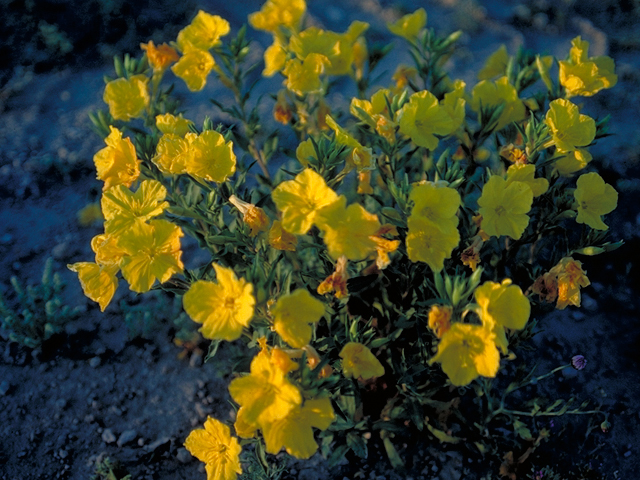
[(384, 261)]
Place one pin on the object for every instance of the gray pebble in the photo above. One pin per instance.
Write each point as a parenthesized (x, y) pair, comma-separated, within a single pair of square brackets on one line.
[(108, 436), (63, 453), (94, 362), (61, 403), (126, 437), (627, 453), (4, 387), (183, 455)]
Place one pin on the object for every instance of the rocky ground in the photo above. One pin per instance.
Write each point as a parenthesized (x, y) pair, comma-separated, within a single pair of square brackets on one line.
[(93, 391)]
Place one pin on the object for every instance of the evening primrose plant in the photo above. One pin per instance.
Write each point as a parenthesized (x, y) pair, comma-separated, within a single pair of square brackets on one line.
[(381, 272)]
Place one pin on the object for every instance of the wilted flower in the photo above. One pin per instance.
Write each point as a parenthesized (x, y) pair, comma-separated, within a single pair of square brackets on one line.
[(253, 216), (160, 57), (578, 362), (440, 319), (337, 281), (280, 239)]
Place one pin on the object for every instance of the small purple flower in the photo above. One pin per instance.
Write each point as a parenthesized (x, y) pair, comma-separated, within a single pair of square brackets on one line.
[(578, 362)]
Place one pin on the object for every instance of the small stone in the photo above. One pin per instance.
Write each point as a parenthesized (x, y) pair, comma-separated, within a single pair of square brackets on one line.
[(60, 251), (61, 403), (108, 436), (4, 387), (94, 362), (141, 442), (89, 418), (627, 454), (126, 437), (63, 453), (183, 455)]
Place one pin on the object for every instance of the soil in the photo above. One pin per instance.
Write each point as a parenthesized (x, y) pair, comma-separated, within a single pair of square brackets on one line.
[(97, 390)]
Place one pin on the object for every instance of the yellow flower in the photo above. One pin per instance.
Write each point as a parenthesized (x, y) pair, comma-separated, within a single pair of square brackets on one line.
[(305, 152), (359, 156), (266, 395), (127, 98), (212, 158), (569, 278), (173, 153), (215, 446), (293, 314), (422, 118), (440, 319), (280, 239), (159, 57), (586, 76), (572, 162), (496, 64), (168, 123), (525, 174), (278, 13), (275, 58), (194, 67), (502, 306), (504, 207), (98, 282), (224, 308), (304, 77), (203, 33), (359, 362), (337, 281), (117, 163), (153, 252), (294, 432), (568, 127), (300, 199), (467, 351), (122, 208), (431, 243), (492, 94), (107, 251), (433, 232), (348, 230), (595, 198), (409, 26), (402, 76), (253, 216), (337, 48)]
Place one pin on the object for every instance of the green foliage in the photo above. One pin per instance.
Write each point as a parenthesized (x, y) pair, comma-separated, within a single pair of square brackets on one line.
[(36, 312), (108, 469)]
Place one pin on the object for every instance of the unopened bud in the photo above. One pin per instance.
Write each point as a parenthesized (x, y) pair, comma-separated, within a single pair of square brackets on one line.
[(578, 362)]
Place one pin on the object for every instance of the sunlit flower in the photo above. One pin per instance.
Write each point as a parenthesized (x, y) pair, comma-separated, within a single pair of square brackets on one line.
[(224, 308), (123, 208), (337, 281), (153, 252), (582, 75), (266, 395), (278, 13), (173, 153), (525, 174), (440, 319), (467, 351), (107, 251), (493, 94), (99, 283), (194, 67), (422, 118), (202, 33), (294, 432), (168, 123), (569, 128), (275, 58), (159, 57), (347, 230), (293, 315), (215, 446), (304, 76), (280, 239), (127, 97), (572, 162), (431, 243), (496, 64), (504, 207), (254, 217), (410, 25), (359, 362), (300, 199), (306, 152), (502, 305), (117, 163), (595, 198), (212, 157)]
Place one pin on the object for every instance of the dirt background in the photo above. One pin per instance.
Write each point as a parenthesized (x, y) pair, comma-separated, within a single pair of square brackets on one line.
[(96, 391)]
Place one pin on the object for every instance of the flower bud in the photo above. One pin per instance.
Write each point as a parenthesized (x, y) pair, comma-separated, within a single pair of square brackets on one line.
[(578, 362)]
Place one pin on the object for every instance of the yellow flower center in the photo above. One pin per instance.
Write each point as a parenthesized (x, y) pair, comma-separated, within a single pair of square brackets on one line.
[(500, 210)]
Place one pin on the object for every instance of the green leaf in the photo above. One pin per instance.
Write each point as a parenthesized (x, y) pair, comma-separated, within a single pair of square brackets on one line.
[(357, 444), (442, 436)]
